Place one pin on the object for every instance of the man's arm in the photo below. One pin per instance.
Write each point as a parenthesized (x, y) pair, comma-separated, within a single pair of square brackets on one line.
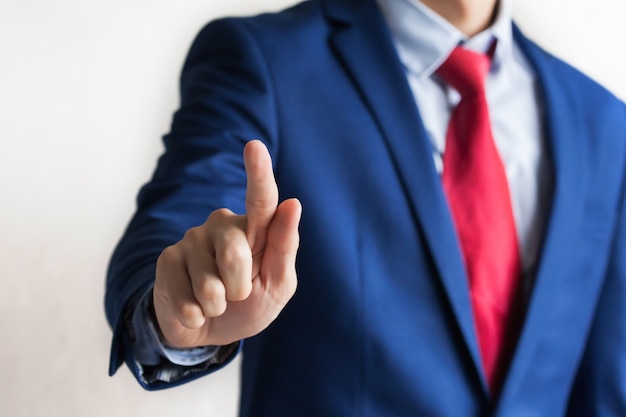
[(226, 99)]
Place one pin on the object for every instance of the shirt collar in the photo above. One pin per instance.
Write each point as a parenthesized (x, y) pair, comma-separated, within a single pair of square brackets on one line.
[(424, 39)]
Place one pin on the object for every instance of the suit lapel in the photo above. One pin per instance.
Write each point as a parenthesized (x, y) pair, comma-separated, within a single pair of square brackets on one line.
[(364, 46), (564, 130)]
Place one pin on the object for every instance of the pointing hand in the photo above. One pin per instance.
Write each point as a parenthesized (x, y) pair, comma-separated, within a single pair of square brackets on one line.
[(229, 278)]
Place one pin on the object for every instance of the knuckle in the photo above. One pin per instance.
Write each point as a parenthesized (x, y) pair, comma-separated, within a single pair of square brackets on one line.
[(261, 203), (171, 255), (188, 312), (210, 290), (216, 308), (240, 290), (232, 255), (219, 216), (213, 300), (193, 236)]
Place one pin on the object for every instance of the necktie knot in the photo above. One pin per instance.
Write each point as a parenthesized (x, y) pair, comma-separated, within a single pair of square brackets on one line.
[(466, 71)]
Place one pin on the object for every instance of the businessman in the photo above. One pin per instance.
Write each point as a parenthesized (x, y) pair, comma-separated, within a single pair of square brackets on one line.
[(455, 197)]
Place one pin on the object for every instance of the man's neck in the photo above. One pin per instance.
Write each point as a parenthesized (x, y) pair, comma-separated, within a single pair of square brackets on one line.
[(469, 16)]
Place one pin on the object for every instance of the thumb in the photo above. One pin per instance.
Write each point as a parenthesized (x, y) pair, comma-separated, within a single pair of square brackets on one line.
[(283, 239)]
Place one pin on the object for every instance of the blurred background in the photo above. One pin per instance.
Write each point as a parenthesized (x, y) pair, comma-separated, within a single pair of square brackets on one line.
[(87, 89)]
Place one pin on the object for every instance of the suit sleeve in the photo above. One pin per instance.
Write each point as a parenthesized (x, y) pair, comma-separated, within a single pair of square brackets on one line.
[(226, 100), (600, 387)]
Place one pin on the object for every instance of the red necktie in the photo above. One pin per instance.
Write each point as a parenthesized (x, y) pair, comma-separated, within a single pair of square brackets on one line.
[(478, 194)]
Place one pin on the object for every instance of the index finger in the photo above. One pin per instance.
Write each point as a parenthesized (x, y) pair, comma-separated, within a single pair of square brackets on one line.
[(261, 193)]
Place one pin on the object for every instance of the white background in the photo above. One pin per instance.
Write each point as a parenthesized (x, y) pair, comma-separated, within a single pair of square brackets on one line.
[(87, 89)]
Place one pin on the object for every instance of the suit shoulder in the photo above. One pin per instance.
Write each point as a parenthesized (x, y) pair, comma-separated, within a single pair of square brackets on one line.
[(590, 90), (579, 86), (604, 113), (277, 27), (278, 41)]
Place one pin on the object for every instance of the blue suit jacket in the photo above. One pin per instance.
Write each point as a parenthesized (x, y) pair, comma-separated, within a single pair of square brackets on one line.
[(381, 322)]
